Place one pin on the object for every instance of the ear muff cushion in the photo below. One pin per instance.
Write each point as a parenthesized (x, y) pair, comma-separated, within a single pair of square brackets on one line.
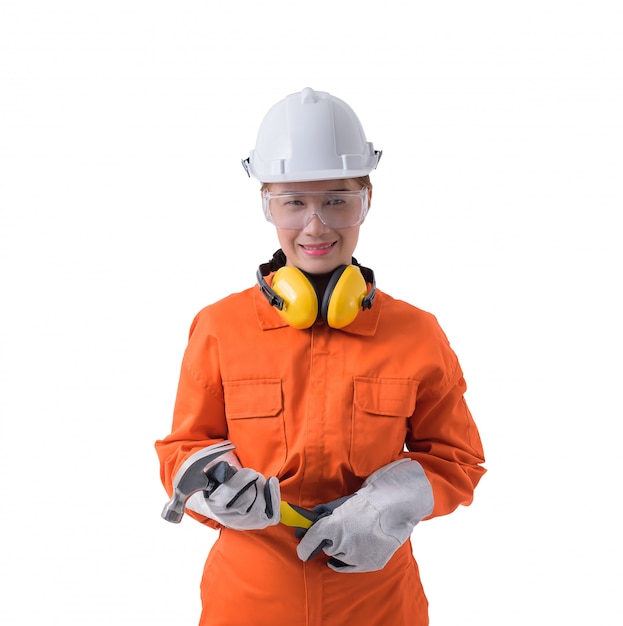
[(300, 301), (343, 297)]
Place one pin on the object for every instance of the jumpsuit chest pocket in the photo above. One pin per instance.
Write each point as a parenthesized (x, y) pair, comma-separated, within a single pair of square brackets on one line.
[(381, 410), (254, 411)]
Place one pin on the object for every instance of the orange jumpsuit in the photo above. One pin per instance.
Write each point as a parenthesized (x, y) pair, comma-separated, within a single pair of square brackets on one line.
[(321, 409)]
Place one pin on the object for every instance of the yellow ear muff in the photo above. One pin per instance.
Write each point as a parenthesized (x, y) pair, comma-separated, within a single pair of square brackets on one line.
[(342, 303), (300, 301)]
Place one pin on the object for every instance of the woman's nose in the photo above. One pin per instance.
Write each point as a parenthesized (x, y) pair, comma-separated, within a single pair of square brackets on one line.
[(315, 225)]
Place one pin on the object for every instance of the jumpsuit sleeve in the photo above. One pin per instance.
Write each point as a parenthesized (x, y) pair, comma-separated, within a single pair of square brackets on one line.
[(199, 412), (444, 439)]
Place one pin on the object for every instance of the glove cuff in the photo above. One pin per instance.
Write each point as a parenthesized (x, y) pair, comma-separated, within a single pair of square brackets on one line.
[(402, 494)]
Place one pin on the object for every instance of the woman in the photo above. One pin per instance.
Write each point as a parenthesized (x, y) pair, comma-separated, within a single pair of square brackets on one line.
[(337, 397)]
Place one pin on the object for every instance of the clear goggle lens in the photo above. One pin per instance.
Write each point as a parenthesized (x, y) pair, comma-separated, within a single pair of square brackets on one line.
[(335, 209)]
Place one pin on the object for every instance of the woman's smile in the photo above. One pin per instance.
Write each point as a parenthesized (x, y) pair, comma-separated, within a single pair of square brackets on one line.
[(318, 249)]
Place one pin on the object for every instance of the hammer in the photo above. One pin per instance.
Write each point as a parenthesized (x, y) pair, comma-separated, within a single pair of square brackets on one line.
[(200, 473)]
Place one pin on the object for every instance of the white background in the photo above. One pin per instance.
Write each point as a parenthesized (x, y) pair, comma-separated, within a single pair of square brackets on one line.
[(124, 210)]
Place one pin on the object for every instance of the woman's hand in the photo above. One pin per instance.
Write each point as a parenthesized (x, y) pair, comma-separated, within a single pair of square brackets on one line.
[(246, 501)]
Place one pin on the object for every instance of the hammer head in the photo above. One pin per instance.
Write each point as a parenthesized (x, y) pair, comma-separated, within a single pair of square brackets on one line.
[(191, 477)]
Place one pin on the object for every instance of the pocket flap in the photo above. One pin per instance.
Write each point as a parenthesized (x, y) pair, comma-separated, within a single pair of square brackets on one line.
[(393, 397), (253, 398)]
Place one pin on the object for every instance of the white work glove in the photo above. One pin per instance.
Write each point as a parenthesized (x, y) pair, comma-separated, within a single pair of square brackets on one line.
[(246, 501), (363, 531)]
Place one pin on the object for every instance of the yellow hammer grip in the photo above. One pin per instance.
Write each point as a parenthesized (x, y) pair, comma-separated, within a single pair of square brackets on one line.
[(292, 515)]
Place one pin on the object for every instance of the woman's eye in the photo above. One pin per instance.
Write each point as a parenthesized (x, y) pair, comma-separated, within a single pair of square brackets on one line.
[(335, 201)]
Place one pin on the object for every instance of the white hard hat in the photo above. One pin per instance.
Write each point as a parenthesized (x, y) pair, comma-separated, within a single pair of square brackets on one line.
[(310, 135)]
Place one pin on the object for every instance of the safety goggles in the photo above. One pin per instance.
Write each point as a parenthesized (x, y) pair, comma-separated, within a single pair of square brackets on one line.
[(335, 209)]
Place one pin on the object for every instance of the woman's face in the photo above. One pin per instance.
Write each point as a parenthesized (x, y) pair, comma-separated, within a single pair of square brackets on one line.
[(316, 248)]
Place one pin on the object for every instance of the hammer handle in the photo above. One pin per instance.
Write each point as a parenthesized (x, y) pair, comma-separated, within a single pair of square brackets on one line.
[(291, 514)]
